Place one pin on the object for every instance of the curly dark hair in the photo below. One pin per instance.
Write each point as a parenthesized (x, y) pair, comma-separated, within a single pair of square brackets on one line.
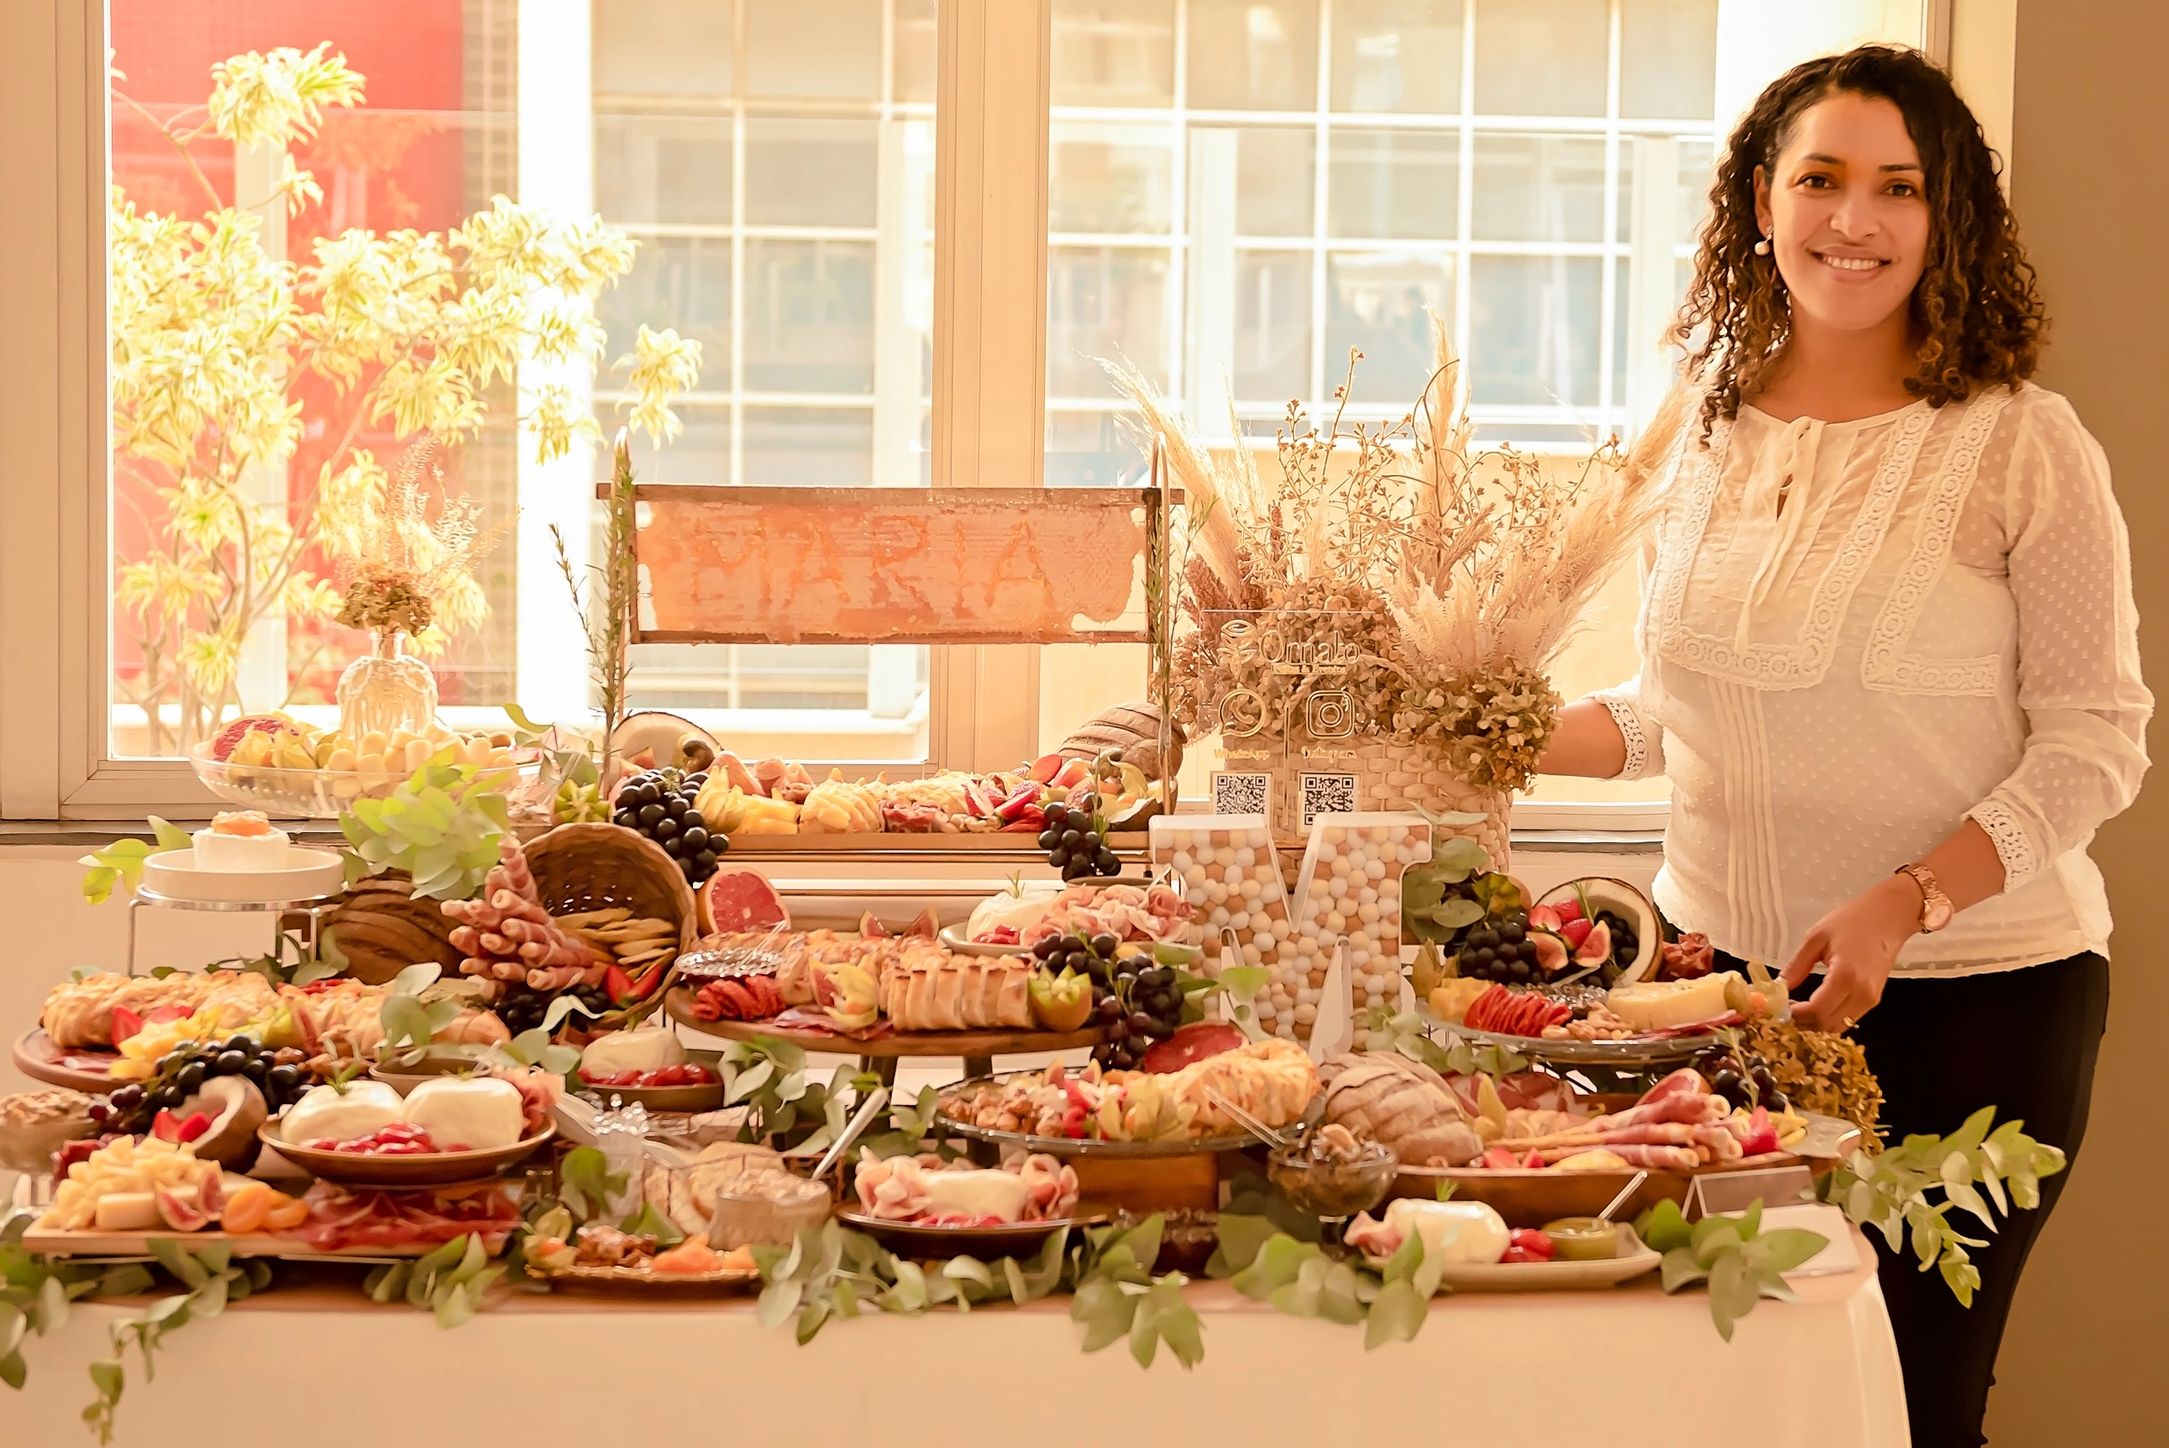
[(1977, 310)]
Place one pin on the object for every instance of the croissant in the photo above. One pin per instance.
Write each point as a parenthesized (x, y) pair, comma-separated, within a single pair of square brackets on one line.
[(1273, 1080)]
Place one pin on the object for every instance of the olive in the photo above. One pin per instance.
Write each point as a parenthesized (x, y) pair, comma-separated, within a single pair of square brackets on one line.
[(283, 1078), (190, 1077), (240, 1043), (230, 1062), (256, 1069)]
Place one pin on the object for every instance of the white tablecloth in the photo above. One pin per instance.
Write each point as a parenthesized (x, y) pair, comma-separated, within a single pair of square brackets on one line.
[(1628, 1368)]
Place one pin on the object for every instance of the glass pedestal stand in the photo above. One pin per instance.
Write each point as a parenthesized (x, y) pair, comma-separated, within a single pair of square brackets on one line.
[(310, 911)]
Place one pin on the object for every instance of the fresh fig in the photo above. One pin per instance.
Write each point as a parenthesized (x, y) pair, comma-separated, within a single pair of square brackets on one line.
[(179, 1210), (1596, 948), (1551, 952)]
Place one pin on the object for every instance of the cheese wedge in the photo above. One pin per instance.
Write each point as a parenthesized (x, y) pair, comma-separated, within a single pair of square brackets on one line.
[(1650, 1005)]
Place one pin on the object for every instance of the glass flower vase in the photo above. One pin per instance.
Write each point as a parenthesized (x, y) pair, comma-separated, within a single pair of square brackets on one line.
[(387, 690)]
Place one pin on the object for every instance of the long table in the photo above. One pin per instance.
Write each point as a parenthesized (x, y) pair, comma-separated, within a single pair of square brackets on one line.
[(1628, 1368)]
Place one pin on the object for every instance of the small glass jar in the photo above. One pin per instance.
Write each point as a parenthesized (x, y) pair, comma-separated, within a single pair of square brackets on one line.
[(388, 690)]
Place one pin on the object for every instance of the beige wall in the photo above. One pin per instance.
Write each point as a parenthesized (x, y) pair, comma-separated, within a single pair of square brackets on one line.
[(2090, 115)]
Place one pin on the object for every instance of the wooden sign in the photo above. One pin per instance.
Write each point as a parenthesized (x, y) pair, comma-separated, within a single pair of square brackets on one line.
[(892, 565)]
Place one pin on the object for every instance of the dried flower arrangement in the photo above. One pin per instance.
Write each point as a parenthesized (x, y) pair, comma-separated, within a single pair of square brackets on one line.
[(402, 562), (1441, 583)]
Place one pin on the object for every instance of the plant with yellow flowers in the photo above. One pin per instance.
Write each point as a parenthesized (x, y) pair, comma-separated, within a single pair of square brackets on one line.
[(211, 335)]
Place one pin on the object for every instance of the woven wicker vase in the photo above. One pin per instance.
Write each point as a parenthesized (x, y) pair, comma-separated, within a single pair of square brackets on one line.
[(1396, 778)]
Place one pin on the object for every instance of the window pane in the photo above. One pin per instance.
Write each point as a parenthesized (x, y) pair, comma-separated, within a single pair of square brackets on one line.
[(1375, 301), (1688, 177), (809, 446), (1668, 58), (677, 282), (659, 48), (1397, 55), (1258, 55), (672, 90), (674, 170), (1534, 330), (809, 323), (916, 50), (813, 50), (1537, 188), (1109, 176), (1263, 175), (1090, 449), (1541, 57), (1114, 52), (812, 173), (1393, 184), (1272, 325), (1104, 302)]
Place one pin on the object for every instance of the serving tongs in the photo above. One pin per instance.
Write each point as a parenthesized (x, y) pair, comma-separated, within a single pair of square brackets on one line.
[(1251, 1124)]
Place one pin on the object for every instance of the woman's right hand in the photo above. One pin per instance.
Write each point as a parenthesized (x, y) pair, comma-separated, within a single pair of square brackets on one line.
[(1587, 742)]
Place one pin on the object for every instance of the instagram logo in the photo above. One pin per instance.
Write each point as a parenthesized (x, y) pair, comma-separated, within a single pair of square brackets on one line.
[(1330, 714)]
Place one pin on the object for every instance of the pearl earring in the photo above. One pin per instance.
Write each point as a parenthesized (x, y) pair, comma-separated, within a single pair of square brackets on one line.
[(1762, 246)]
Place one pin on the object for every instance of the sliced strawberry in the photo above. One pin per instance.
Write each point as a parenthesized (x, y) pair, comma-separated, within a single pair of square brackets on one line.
[(619, 986), (126, 1023), (166, 1126)]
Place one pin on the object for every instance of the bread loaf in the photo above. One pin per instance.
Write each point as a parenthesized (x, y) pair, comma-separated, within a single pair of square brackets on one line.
[(1135, 730), (1402, 1104)]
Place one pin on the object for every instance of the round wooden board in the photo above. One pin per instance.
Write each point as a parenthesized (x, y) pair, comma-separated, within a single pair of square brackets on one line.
[(35, 1057), (678, 1002)]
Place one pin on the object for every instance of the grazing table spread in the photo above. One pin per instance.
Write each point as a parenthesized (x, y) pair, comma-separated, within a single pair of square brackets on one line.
[(1821, 1371)]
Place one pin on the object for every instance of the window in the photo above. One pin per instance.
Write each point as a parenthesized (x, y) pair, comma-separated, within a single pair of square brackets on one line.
[(1241, 191), (1237, 191)]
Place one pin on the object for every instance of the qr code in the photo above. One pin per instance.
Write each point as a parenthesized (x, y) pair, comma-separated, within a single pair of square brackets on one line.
[(1242, 794), (1327, 794)]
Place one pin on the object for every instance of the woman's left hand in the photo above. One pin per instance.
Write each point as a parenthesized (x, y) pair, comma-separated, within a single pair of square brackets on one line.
[(1856, 944)]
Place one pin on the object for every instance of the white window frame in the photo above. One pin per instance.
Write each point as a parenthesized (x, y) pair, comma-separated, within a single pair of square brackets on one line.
[(989, 367)]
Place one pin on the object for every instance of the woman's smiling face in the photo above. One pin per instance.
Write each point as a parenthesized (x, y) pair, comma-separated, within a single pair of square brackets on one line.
[(1845, 209)]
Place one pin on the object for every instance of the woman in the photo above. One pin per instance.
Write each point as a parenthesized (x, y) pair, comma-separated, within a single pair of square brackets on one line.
[(1889, 655)]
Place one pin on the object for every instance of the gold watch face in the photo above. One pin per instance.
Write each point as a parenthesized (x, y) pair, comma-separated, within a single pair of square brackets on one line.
[(1935, 914)]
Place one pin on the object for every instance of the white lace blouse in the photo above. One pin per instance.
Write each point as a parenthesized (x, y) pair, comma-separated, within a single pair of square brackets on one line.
[(1936, 624)]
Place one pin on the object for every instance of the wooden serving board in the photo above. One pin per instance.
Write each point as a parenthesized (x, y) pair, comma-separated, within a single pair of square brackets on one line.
[(249, 1244), (38, 1058), (1532, 1196), (678, 1002)]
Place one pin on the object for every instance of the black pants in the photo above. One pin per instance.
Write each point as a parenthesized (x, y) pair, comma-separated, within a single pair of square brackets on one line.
[(2024, 1042)]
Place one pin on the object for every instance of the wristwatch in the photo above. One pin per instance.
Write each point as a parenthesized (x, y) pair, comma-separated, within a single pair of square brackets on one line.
[(1935, 906)]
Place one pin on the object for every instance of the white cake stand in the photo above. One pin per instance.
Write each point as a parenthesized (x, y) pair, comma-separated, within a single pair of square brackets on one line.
[(306, 889)]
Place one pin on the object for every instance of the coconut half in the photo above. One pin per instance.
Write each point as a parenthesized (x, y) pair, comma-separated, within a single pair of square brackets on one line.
[(236, 1109), (1583, 900), (665, 739)]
